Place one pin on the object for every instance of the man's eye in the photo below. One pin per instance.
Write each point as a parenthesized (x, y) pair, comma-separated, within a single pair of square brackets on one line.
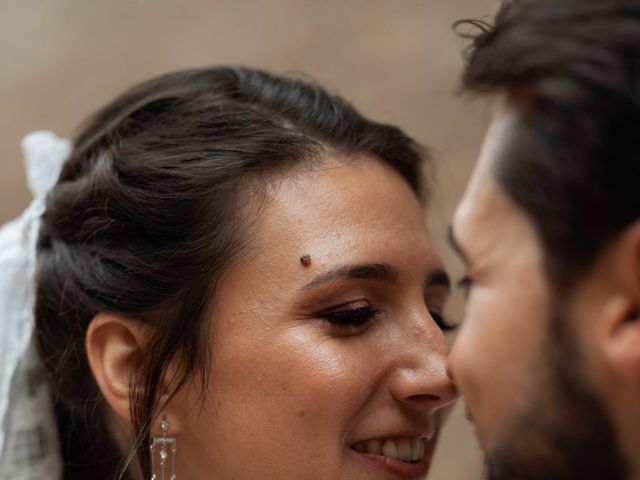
[(351, 317), (465, 283), (442, 322)]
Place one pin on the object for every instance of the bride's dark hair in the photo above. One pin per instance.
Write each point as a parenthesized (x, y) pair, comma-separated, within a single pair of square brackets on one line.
[(149, 212)]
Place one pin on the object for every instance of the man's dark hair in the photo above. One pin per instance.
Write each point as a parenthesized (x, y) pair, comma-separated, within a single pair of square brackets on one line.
[(573, 164)]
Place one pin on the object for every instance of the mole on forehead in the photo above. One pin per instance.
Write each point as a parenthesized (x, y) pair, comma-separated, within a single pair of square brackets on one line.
[(305, 260)]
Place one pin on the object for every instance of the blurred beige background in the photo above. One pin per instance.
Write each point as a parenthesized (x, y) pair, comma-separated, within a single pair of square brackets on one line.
[(397, 60)]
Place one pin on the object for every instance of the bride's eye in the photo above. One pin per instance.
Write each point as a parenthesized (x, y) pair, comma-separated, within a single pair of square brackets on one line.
[(442, 322), (351, 317)]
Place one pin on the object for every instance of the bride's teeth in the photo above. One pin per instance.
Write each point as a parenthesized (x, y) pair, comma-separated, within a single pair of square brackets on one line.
[(373, 446), (403, 447), (417, 450), (389, 449)]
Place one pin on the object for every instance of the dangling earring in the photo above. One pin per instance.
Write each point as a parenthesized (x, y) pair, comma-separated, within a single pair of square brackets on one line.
[(163, 445)]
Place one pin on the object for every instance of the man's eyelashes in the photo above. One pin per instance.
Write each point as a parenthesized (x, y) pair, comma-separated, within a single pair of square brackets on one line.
[(465, 283)]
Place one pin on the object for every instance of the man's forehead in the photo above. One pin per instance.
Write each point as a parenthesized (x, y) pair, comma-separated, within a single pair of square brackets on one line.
[(495, 142), (483, 202)]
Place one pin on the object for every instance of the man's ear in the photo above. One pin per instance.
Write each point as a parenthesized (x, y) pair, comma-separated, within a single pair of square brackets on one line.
[(622, 311), (114, 346)]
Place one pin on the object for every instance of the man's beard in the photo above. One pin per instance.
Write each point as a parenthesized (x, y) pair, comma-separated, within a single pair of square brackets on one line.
[(565, 433)]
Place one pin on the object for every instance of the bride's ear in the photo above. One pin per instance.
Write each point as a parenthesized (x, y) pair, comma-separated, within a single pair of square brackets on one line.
[(115, 345), (114, 348)]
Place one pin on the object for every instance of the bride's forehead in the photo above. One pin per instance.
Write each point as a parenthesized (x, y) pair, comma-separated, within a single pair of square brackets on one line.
[(360, 211), (361, 190)]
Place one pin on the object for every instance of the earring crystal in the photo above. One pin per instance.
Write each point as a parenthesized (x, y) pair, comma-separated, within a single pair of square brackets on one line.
[(163, 454)]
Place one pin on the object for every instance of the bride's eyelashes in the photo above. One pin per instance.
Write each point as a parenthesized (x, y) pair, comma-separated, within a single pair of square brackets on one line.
[(351, 317), (442, 322), (358, 316)]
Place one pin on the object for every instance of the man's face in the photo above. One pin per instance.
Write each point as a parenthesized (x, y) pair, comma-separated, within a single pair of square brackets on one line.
[(516, 359)]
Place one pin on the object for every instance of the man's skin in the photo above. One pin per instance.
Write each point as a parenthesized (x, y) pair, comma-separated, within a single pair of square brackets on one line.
[(500, 361), (548, 356)]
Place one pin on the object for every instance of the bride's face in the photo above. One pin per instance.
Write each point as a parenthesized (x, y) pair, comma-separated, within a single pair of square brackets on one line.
[(330, 366)]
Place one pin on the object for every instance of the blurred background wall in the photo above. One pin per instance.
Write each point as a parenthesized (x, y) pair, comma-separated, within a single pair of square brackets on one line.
[(397, 60)]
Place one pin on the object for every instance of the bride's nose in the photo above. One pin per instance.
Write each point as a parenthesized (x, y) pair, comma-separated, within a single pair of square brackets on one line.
[(420, 378)]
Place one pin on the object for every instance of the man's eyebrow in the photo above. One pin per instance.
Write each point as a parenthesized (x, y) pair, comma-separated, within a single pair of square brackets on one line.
[(453, 241), (381, 272), (438, 278)]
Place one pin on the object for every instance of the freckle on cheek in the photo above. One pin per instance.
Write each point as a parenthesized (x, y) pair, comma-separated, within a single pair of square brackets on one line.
[(302, 413), (305, 260)]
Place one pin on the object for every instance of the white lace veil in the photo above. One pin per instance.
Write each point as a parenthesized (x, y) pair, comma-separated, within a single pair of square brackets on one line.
[(29, 445)]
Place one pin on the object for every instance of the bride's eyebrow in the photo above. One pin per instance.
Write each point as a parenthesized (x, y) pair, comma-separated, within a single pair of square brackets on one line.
[(381, 272)]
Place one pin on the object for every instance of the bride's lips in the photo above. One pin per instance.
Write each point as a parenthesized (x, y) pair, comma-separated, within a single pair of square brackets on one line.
[(405, 456)]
